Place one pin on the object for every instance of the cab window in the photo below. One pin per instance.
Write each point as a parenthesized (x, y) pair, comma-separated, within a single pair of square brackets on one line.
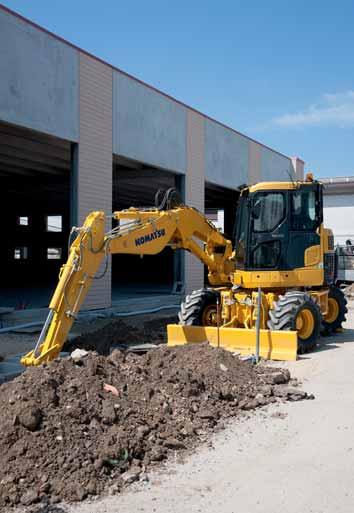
[(268, 211), (266, 255), (303, 210)]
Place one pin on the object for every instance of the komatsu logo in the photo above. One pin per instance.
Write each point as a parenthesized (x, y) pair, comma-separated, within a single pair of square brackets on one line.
[(150, 237)]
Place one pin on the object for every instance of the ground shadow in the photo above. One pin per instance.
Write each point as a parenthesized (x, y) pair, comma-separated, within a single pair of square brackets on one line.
[(334, 341), (329, 342)]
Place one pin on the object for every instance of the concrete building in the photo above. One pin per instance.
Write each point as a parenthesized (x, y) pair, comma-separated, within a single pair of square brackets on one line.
[(339, 207), (78, 134)]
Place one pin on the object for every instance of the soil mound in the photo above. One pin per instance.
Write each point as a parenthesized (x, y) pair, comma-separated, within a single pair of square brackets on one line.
[(69, 430), (349, 291), (119, 332)]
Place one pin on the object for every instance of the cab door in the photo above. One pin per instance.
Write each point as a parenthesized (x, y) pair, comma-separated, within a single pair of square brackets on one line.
[(269, 230), (305, 218)]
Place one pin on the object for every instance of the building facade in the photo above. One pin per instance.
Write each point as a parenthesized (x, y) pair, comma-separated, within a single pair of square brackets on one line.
[(78, 134), (339, 207)]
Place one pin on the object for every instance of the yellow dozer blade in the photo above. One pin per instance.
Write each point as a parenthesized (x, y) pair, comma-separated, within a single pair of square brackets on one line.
[(274, 345)]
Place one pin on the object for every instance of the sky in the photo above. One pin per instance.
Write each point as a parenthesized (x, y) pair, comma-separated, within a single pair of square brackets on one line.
[(280, 71)]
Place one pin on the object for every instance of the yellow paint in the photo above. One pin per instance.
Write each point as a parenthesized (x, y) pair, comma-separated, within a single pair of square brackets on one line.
[(305, 324), (281, 186), (313, 255), (321, 298), (333, 310), (311, 277), (274, 345)]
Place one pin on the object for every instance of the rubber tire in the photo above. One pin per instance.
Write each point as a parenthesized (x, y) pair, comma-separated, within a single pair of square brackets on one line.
[(194, 305), (337, 294), (284, 313)]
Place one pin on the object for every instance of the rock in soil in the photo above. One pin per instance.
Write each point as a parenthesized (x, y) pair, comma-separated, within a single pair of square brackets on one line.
[(65, 436)]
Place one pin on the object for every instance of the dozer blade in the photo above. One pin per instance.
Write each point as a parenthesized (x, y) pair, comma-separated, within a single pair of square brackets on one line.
[(274, 345)]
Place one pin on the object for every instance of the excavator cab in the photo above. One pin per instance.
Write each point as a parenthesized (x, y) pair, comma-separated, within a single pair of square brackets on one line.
[(276, 226), (279, 230)]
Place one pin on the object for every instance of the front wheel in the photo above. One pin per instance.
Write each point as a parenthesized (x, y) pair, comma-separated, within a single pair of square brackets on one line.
[(199, 308), (297, 311)]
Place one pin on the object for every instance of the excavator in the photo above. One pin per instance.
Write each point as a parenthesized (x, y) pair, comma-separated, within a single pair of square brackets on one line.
[(273, 285)]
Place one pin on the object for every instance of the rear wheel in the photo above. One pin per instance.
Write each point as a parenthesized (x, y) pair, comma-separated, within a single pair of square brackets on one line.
[(337, 308), (199, 308), (297, 311)]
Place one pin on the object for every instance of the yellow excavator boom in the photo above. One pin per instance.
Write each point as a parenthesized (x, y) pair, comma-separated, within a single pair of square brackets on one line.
[(142, 232)]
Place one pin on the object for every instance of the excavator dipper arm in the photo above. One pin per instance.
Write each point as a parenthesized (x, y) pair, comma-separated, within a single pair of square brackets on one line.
[(139, 232)]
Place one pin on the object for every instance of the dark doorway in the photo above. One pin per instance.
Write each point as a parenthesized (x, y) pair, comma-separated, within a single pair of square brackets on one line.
[(220, 207), (135, 185), (34, 215)]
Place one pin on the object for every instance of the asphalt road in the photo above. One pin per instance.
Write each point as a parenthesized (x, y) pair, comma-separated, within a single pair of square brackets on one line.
[(302, 462)]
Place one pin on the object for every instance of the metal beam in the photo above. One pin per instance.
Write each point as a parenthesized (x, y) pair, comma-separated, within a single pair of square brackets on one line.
[(32, 135), (31, 157), (8, 161), (21, 144)]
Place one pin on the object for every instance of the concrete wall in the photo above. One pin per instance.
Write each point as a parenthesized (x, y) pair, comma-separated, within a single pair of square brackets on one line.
[(275, 166), (254, 162), (38, 79), (298, 168), (232, 159), (226, 156), (147, 126), (94, 180), (339, 216), (194, 191)]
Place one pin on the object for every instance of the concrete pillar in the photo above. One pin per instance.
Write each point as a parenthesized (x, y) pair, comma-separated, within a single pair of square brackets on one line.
[(298, 167), (94, 160), (194, 192), (254, 162)]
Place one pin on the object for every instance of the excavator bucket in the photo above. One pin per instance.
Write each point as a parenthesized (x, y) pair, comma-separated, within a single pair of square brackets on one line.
[(273, 345)]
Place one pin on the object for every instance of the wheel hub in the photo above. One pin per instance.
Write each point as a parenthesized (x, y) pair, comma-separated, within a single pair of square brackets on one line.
[(305, 324), (209, 317), (333, 310)]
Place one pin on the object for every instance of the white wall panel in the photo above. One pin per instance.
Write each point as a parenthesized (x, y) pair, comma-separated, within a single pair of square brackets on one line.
[(95, 157)]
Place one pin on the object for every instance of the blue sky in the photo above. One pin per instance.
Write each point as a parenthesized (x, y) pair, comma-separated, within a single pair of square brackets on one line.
[(280, 71)]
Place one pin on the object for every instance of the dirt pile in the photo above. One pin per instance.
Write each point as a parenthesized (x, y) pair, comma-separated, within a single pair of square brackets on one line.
[(69, 431), (119, 332), (349, 291)]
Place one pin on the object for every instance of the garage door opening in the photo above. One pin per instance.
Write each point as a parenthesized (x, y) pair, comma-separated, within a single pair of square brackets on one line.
[(135, 185), (221, 204), (220, 208), (34, 215)]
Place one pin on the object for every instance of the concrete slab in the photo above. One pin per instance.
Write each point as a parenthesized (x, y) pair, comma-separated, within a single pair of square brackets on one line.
[(30, 329), (125, 305), (135, 348), (10, 368), (6, 310)]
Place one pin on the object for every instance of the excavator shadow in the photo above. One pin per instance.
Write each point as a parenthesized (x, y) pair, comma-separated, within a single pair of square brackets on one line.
[(329, 342)]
